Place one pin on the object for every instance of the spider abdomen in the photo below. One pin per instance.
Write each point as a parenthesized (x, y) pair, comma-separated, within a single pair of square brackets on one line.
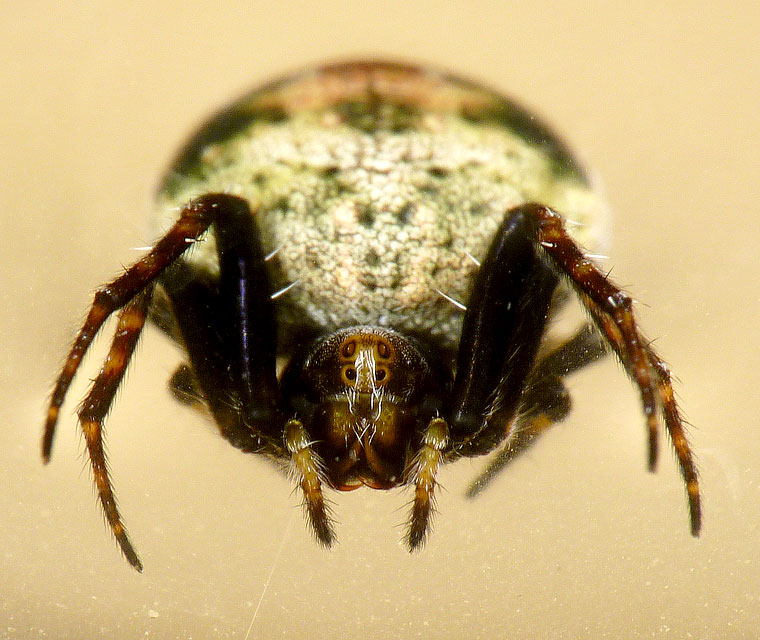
[(377, 201)]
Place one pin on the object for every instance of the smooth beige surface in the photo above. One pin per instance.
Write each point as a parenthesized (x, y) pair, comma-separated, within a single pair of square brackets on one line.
[(575, 540)]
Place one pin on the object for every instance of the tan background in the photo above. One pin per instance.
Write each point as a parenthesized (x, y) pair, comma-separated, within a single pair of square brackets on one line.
[(576, 540)]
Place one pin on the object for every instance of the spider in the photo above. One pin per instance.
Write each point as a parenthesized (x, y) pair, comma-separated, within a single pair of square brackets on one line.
[(360, 262)]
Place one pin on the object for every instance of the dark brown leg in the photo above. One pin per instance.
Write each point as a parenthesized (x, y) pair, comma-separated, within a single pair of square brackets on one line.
[(194, 220), (132, 292), (185, 387), (210, 342), (95, 407), (503, 326), (228, 328), (674, 425), (544, 402), (671, 415), (612, 309)]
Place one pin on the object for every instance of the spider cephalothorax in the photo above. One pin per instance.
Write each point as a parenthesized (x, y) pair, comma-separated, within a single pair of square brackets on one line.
[(366, 394), (391, 235)]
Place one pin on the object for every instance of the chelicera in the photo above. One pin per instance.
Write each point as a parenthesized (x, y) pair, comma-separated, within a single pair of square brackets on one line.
[(361, 262)]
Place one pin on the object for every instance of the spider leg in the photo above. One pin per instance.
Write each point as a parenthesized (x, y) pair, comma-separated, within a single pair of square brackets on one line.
[(612, 333), (545, 400), (502, 330), (229, 333), (674, 426), (244, 292), (185, 387), (422, 474), (198, 318), (308, 471), (194, 219), (612, 310), (93, 411), (230, 336), (670, 413), (582, 349), (132, 292)]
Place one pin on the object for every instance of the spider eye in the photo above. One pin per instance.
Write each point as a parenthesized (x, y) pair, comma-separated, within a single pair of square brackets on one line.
[(380, 374), (349, 374), (348, 349), (383, 349)]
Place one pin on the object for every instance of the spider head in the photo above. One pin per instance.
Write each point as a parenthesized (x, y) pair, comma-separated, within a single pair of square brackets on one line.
[(364, 393)]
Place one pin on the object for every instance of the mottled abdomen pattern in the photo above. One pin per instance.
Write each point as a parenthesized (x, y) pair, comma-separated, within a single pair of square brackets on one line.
[(377, 193)]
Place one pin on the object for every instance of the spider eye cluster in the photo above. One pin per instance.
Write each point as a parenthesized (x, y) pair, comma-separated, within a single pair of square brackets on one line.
[(365, 359)]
